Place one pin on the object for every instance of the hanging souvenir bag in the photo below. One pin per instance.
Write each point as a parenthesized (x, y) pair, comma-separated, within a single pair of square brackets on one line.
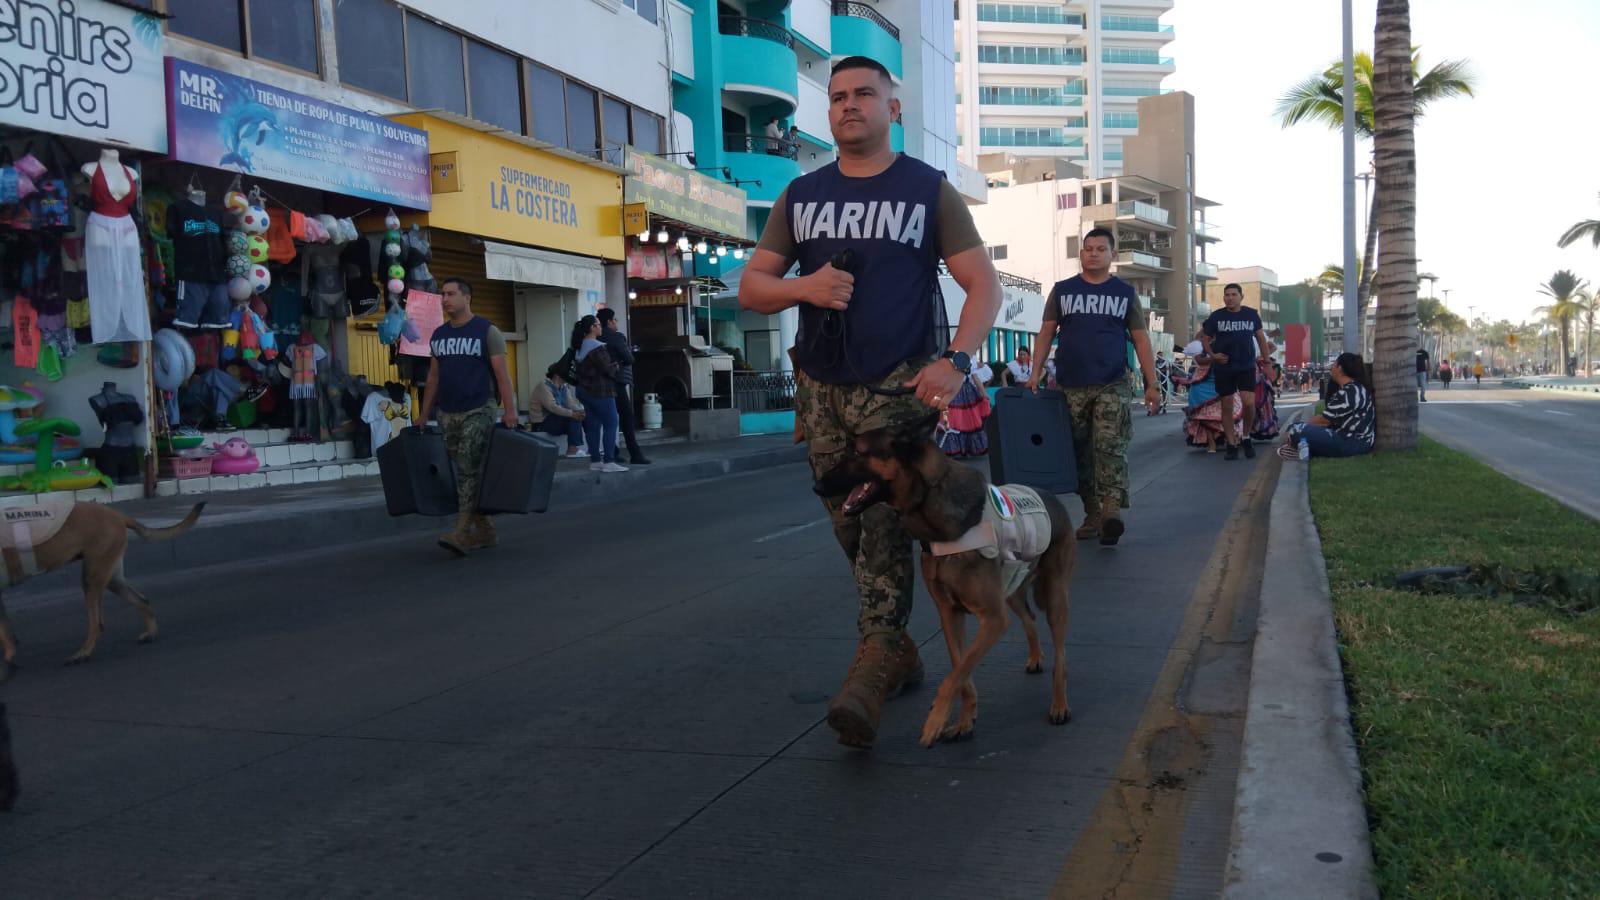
[(50, 204), (26, 337)]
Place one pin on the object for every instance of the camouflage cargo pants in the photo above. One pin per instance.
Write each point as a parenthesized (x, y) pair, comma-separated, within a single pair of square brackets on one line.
[(876, 544), (1101, 429), (466, 439)]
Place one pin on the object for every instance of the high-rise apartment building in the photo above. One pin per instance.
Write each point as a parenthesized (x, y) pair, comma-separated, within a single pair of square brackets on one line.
[(1056, 78)]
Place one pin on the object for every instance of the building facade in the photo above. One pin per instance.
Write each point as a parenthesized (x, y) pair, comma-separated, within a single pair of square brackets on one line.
[(1060, 79)]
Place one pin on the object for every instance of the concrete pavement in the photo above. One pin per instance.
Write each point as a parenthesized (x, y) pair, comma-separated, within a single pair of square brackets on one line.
[(625, 700), (1547, 441)]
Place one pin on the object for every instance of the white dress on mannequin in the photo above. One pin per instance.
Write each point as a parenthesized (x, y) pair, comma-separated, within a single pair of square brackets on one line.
[(118, 306)]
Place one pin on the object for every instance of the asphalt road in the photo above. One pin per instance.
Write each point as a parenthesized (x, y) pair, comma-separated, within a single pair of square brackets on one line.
[(627, 701), (1547, 440)]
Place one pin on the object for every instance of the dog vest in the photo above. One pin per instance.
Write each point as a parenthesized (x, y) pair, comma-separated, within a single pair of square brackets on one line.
[(23, 528), (1015, 529)]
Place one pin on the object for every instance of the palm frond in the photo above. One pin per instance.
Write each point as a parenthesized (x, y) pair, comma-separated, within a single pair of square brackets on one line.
[(1590, 227)]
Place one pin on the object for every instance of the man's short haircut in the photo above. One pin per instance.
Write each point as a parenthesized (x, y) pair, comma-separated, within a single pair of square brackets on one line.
[(1233, 286), (862, 62), (462, 283), (1102, 233), (605, 314)]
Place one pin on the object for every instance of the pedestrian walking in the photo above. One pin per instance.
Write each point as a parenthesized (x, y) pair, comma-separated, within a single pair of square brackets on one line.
[(617, 345), (1096, 315), (1231, 336), (1477, 374), (553, 410), (1348, 424), (1446, 373), (467, 374), (1422, 374), (868, 332), (597, 391)]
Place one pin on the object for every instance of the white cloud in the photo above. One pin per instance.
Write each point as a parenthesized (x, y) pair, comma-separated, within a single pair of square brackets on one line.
[(1500, 176)]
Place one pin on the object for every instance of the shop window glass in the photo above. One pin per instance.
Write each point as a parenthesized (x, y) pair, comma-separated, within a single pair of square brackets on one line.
[(496, 97), (438, 75), (646, 131), (213, 21), (614, 115), (547, 96), (371, 38), (582, 132), (285, 31)]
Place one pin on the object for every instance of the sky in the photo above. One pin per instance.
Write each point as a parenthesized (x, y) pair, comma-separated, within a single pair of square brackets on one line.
[(1500, 176)]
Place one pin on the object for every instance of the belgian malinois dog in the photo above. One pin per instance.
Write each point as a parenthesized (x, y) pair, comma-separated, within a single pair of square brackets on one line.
[(98, 535), (942, 506)]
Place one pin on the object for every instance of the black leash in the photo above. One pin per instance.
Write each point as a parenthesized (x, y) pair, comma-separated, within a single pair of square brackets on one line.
[(836, 332)]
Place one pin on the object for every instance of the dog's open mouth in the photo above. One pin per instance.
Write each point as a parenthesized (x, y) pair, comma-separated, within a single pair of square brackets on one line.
[(860, 497)]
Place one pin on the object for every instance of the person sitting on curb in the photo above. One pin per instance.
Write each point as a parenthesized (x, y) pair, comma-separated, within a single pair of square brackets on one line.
[(1347, 426), (553, 410)]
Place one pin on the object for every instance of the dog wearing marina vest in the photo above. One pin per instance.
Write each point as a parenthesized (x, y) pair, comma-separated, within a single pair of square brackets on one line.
[(45, 537), (982, 547)]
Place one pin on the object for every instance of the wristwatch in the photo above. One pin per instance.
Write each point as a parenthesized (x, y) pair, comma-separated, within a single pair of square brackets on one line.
[(961, 361)]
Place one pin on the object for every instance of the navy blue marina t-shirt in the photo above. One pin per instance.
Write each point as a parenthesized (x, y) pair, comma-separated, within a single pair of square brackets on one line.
[(1234, 333), (1097, 320)]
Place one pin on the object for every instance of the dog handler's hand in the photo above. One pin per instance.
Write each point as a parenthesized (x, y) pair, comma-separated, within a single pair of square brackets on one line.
[(1033, 381), (829, 288), (1152, 400), (936, 385)]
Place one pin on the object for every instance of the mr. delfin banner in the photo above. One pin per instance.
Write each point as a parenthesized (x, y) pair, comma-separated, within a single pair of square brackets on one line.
[(230, 122), (88, 69)]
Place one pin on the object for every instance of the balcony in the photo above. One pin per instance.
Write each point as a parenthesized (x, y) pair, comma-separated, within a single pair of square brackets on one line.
[(1141, 262), (1206, 271), (1130, 57), (860, 30), (1010, 98), (758, 58), (1135, 24), (1132, 90), (1148, 212), (1027, 14), (1205, 231), (755, 157)]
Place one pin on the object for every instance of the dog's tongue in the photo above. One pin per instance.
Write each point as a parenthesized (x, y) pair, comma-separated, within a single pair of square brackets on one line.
[(858, 494)]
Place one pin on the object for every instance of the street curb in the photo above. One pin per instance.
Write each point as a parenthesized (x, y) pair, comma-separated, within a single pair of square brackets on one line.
[(1300, 824), (282, 524), (1574, 388)]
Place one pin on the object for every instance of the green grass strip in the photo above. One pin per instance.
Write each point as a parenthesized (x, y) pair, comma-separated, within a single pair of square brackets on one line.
[(1478, 722)]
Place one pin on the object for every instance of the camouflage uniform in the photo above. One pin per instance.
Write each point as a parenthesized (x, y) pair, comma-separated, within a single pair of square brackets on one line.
[(1101, 429), (466, 438), (878, 548)]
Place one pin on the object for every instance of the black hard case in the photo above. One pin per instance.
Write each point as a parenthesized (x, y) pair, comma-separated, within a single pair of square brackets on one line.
[(1030, 440), (518, 472), (418, 478)]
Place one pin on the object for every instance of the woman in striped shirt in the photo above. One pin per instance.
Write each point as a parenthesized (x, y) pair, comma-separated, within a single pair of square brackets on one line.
[(1347, 426)]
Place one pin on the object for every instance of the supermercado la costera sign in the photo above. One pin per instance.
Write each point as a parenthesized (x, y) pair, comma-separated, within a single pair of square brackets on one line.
[(83, 68)]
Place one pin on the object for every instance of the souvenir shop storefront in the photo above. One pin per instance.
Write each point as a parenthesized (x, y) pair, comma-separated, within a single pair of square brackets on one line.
[(77, 130), (531, 228), (684, 231)]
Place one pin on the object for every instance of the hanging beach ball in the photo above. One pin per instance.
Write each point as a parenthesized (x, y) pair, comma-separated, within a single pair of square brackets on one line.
[(236, 203), (238, 243), (396, 286), (392, 235), (397, 271), (239, 289), (254, 220), (391, 250), (260, 279), (257, 248), (238, 266)]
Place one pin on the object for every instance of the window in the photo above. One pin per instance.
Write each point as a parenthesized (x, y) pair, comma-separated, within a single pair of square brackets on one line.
[(285, 31), (282, 31), (998, 251), (547, 96), (614, 117), (646, 131), (438, 73), (496, 87), (208, 20), (582, 130), (647, 10), (371, 40), (1073, 245)]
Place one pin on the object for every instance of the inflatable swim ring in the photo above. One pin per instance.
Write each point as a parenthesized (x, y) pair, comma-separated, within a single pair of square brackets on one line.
[(23, 454)]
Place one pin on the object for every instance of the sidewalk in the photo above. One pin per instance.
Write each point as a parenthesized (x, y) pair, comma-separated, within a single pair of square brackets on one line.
[(247, 525), (1556, 383)]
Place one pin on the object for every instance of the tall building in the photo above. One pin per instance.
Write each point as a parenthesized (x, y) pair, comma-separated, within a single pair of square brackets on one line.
[(1059, 78)]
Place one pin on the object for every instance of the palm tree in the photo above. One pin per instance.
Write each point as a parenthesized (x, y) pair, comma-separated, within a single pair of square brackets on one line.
[(1588, 227), (1394, 111), (1588, 305), (1320, 98), (1564, 288)]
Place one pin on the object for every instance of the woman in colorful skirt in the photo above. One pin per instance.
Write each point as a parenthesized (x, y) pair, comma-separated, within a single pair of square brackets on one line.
[(1266, 406), (964, 436), (1202, 418)]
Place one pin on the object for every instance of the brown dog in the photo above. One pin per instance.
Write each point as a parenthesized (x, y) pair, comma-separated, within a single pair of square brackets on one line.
[(98, 535), (943, 506)]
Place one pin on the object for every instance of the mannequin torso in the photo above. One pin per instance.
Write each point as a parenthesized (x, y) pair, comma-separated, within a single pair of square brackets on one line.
[(118, 177)]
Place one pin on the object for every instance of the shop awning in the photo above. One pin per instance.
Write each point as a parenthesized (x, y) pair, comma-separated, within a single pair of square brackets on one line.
[(509, 262)]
